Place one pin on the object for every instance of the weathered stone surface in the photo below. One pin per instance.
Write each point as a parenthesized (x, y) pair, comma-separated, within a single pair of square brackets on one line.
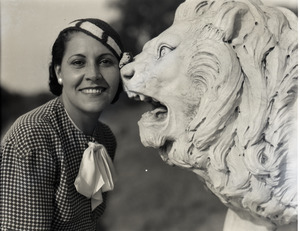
[(223, 80)]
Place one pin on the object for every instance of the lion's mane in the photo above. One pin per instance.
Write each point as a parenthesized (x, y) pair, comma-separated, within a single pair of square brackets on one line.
[(243, 138)]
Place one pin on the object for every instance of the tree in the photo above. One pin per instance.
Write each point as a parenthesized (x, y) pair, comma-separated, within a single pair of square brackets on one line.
[(142, 20)]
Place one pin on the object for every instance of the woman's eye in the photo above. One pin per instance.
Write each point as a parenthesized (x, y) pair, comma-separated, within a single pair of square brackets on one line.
[(105, 62), (78, 63), (163, 50)]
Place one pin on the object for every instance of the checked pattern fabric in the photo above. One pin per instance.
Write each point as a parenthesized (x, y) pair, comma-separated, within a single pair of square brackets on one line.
[(39, 161)]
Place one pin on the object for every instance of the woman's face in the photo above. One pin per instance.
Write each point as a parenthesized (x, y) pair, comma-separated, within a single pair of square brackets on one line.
[(90, 75)]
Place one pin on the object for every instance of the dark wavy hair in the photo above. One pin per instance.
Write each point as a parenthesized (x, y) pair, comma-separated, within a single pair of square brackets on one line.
[(58, 51)]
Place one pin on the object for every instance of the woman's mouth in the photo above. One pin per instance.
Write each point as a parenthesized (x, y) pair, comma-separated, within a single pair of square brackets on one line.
[(93, 90)]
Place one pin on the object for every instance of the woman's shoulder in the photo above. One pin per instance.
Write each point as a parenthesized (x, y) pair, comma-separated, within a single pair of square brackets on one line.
[(106, 131), (104, 127), (36, 122), (107, 137)]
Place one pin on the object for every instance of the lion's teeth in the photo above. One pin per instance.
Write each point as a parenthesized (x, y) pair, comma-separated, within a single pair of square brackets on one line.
[(142, 97), (131, 95), (137, 98)]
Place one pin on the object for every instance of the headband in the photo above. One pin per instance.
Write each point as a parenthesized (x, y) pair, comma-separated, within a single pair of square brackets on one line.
[(101, 31)]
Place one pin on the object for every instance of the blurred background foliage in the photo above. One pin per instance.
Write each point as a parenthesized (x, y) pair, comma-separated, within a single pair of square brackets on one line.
[(143, 20), (149, 195)]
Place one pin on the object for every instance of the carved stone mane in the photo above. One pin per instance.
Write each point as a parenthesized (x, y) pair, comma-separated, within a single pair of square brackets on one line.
[(255, 152), (239, 131)]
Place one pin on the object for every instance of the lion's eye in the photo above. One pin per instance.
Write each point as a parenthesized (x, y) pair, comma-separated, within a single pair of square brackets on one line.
[(163, 50)]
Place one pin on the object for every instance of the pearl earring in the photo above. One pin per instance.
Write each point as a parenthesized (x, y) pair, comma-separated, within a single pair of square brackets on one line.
[(59, 81)]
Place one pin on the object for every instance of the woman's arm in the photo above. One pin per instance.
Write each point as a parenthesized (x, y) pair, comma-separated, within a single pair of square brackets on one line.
[(27, 175)]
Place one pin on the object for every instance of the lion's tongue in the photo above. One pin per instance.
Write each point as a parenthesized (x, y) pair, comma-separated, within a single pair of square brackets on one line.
[(154, 116), (160, 113)]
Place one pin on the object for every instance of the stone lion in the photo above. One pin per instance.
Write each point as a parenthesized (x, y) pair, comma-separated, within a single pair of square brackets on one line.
[(223, 83)]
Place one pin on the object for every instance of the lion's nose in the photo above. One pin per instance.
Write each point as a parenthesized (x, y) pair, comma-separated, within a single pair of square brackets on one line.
[(127, 71)]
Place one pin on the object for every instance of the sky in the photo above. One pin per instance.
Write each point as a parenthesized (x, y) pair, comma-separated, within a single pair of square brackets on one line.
[(29, 28)]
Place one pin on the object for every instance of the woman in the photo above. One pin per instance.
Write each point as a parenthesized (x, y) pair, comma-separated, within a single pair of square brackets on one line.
[(55, 160)]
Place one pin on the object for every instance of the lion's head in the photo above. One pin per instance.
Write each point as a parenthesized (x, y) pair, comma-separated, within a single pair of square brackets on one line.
[(223, 83)]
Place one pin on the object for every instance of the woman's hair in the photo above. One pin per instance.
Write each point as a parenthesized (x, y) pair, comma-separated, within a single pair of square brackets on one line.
[(59, 46), (58, 51)]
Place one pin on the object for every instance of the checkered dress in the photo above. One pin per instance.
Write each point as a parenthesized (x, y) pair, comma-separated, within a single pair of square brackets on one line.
[(40, 159)]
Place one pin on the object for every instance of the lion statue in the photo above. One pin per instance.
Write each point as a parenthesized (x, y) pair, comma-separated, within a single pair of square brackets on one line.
[(223, 84)]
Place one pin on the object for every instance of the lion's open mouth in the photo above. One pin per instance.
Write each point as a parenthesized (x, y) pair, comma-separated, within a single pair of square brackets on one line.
[(159, 111), (154, 123), (155, 126)]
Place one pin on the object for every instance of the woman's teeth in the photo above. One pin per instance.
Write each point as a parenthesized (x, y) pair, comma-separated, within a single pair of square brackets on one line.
[(92, 91)]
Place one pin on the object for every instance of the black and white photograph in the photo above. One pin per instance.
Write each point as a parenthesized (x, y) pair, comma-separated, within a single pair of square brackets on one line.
[(149, 115)]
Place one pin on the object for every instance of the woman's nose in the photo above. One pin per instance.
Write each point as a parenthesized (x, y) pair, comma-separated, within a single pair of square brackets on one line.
[(93, 72)]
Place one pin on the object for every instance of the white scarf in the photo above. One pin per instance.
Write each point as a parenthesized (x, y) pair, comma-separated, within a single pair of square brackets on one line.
[(96, 174)]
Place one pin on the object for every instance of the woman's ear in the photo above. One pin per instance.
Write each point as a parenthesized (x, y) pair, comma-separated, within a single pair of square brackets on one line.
[(57, 69)]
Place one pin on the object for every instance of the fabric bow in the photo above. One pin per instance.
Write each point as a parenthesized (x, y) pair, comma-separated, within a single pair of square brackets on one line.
[(96, 174)]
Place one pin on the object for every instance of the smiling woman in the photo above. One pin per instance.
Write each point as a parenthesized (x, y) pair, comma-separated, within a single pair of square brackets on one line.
[(56, 160), (89, 77), (28, 29)]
